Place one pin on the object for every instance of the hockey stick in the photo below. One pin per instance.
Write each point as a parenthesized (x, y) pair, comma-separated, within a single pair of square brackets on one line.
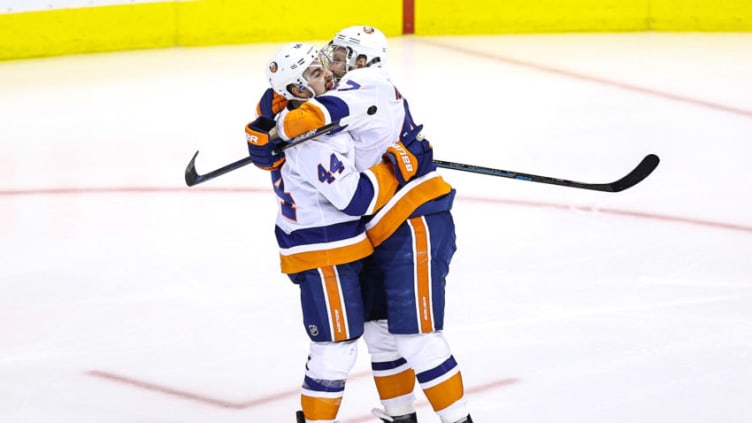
[(646, 166), (192, 177)]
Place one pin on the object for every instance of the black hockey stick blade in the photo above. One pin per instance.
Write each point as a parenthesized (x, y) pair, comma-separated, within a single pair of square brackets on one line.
[(639, 173), (192, 177)]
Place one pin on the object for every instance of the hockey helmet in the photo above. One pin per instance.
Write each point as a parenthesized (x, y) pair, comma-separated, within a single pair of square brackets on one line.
[(288, 66), (364, 43)]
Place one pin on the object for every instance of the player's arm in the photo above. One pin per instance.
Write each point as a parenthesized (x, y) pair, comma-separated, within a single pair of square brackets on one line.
[(375, 186), (336, 178), (311, 115)]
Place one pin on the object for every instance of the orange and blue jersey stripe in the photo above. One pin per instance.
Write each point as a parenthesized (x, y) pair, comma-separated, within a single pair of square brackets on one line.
[(312, 248)]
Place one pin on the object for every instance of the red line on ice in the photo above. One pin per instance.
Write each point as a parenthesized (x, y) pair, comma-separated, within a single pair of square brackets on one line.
[(228, 190), (166, 390), (276, 396)]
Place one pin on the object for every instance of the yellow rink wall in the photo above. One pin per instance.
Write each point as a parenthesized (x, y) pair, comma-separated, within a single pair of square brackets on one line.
[(213, 22), (446, 17), (184, 23)]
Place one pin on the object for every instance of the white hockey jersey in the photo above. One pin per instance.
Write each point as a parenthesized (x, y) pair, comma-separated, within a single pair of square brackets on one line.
[(322, 196), (354, 94)]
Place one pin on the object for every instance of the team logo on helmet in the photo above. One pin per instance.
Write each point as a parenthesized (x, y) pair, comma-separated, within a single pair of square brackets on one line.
[(368, 29), (273, 67)]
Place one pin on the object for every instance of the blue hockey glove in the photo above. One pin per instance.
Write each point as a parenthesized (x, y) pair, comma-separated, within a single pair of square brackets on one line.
[(261, 145), (270, 104)]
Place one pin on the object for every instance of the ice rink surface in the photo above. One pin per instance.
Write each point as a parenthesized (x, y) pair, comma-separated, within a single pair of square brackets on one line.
[(126, 297)]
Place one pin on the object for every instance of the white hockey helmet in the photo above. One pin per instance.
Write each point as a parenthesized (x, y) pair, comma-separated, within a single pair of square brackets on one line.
[(364, 42), (288, 65)]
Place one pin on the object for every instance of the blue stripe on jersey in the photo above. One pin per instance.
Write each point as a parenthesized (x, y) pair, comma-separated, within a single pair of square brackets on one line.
[(323, 385), (388, 365), (361, 198), (437, 371), (307, 236), (336, 107)]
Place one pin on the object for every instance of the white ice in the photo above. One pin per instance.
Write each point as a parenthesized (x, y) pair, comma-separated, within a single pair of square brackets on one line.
[(127, 297)]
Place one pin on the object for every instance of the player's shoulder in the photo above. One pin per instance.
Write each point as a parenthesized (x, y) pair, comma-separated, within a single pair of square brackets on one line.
[(358, 84), (371, 73)]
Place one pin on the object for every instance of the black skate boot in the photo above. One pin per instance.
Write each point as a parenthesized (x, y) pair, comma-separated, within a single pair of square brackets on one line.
[(467, 419), (407, 418)]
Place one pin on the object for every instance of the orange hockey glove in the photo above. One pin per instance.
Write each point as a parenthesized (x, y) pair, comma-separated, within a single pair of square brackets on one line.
[(411, 157)]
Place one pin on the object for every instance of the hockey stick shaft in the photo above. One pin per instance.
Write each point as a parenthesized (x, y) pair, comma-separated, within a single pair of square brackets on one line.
[(639, 173), (192, 177)]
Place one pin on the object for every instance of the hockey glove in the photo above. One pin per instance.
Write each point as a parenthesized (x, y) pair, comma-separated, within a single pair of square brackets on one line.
[(270, 104), (261, 145), (410, 135), (412, 161)]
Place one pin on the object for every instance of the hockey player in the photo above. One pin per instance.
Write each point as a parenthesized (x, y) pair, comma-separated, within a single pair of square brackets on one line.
[(319, 229), (413, 233)]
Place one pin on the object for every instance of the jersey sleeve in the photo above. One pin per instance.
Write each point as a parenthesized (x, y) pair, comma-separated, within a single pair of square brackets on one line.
[(335, 176), (312, 114)]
